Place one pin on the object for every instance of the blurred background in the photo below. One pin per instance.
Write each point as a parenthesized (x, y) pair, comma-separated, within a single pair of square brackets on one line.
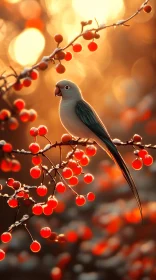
[(106, 239)]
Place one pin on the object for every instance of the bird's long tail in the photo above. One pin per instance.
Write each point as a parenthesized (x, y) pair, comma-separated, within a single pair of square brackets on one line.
[(112, 151)]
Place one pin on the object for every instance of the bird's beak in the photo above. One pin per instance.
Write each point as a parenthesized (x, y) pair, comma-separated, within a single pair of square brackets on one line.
[(58, 91)]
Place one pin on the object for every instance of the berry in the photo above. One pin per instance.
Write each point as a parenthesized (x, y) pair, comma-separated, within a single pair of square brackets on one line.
[(24, 115), (32, 115), (41, 190), (33, 131), (36, 160), (90, 196), (13, 123), (60, 68), (60, 187), (91, 150), (18, 86), (92, 46), (147, 9), (66, 138), (77, 170), (84, 160), (88, 178), (12, 202), (34, 148), (67, 173), (137, 138), (34, 74), (60, 55), (42, 130), (52, 202), (96, 35), (56, 273), (37, 209), (10, 182), (4, 114), (27, 82), (47, 210), (19, 104), (43, 65), (53, 236), (5, 165), (16, 185), (2, 255), (80, 200), (77, 47), (137, 164), (142, 153), (78, 154), (35, 172), (7, 148), (72, 164), (35, 246), (73, 181), (6, 237), (148, 160), (58, 38), (68, 56), (61, 238), (45, 232), (88, 35), (15, 165)]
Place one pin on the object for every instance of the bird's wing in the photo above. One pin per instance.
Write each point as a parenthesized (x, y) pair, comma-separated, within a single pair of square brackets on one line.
[(89, 117)]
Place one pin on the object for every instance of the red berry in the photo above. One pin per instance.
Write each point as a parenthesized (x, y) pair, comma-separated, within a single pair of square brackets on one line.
[(42, 130), (37, 209), (61, 238), (96, 35), (137, 138), (148, 160), (15, 166), (72, 164), (4, 114), (18, 86), (78, 154), (58, 38), (36, 160), (67, 173), (10, 182), (73, 181), (147, 9), (47, 210), (5, 165), (60, 55), (35, 246), (88, 35), (27, 82), (77, 170), (16, 185), (34, 74), (90, 196), (91, 150), (43, 65), (60, 187), (68, 56), (77, 47), (7, 148), (142, 153), (33, 131), (60, 68), (12, 202), (66, 138), (92, 46), (32, 115), (52, 202), (80, 200), (84, 160), (13, 123), (6, 237), (34, 148), (2, 255), (137, 164), (45, 232), (88, 178), (53, 236), (41, 190), (56, 273), (24, 115), (35, 172), (19, 104)]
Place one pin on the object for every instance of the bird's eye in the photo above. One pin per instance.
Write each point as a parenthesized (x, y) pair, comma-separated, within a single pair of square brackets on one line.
[(67, 87)]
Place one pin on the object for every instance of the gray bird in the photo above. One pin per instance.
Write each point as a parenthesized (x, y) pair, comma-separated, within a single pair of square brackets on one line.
[(81, 120)]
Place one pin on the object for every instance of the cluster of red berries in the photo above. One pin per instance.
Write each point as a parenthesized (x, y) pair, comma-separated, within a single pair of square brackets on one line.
[(8, 164), (26, 82), (142, 155)]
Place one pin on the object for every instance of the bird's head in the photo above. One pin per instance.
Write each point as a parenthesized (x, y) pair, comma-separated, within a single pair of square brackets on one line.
[(67, 90)]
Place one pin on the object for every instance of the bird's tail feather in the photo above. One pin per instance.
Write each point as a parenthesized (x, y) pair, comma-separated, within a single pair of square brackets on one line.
[(116, 156)]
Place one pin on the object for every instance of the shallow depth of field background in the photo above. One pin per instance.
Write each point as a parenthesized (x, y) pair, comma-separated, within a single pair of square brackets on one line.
[(119, 80)]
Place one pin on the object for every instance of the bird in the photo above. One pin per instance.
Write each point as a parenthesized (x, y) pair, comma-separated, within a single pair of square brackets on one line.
[(81, 120)]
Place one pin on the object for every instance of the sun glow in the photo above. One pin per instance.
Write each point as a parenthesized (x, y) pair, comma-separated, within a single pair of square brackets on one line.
[(102, 10)]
